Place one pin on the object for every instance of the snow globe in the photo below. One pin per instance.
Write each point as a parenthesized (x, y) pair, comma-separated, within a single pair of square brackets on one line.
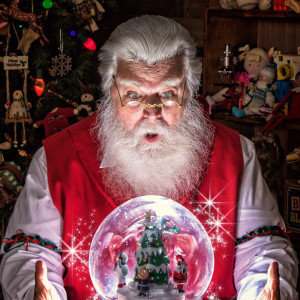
[(151, 247)]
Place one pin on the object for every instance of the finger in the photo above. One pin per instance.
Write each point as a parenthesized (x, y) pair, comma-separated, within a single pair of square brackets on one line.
[(40, 271), (273, 280)]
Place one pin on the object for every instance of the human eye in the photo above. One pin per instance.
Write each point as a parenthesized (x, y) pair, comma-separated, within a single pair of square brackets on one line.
[(167, 95), (134, 96)]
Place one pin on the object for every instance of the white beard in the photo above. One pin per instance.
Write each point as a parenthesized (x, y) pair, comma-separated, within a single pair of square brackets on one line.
[(171, 167)]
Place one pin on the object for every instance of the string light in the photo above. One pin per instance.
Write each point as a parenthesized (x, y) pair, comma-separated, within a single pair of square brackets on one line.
[(87, 42), (39, 84), (47, 4)]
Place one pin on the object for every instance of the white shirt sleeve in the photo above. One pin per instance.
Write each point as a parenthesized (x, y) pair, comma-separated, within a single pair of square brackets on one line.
[(34, 214), (257, 208)]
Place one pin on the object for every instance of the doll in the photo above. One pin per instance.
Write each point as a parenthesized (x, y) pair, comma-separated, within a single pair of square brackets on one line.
[(254, 60), (262, 93), (18, 111)]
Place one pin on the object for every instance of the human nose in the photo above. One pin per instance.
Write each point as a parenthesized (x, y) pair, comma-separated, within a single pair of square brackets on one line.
[(152, 109)]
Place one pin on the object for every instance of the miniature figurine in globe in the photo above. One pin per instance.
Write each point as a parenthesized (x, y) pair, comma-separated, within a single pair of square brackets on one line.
[(152, 272), (181, 273), (121, 269)]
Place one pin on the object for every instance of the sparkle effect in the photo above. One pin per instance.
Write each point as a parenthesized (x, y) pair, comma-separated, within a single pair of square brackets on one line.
[(216, 225), (76, 255)]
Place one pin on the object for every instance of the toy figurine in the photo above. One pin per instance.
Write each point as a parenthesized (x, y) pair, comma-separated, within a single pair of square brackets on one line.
[(180, 274), (143, 282), (121, 269), (18, 111), (261, 94), (254, 61)]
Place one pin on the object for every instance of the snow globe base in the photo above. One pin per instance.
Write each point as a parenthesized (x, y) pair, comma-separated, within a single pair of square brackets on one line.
[(166, 292)]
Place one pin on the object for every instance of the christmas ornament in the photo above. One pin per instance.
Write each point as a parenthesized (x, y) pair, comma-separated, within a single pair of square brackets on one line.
[(4, 27), (152, 245), (28, 37), (13, 11), (87, 42), (90, 11), (39, 84), (61, 64)]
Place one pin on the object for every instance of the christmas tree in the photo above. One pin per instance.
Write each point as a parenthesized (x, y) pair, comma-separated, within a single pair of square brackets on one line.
[(152, 252)]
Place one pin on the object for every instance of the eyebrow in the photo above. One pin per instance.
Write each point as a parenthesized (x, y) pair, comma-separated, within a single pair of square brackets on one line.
[(168, 82), (171, 82), (128, 82)]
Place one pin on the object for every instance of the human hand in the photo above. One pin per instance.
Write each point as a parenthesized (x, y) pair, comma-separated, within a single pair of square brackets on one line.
[(44, 290), (271, 290)]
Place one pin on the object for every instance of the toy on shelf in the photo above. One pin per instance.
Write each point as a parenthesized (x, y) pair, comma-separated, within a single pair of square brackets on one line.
[(245, 4), (261, 94), (254, 60), (275, 118), (293, 5), (293, 156)]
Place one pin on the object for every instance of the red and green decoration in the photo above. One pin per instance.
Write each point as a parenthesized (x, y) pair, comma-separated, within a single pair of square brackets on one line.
[(152, 252)]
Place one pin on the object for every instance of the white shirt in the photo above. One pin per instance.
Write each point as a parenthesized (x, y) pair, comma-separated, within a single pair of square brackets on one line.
[(35, 213)]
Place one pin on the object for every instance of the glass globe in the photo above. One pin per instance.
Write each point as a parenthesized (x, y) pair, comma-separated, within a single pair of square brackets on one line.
[(122, 229)]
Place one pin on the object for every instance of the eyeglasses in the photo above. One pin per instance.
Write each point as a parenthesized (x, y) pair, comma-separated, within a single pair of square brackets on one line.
[(168, 105)]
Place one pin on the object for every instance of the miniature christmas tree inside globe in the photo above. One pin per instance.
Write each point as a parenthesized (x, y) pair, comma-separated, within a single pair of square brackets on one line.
[(151, 247)]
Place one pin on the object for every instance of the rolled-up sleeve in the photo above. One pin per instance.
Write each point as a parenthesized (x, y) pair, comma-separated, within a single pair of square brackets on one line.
[(34, 214), (257, 208)]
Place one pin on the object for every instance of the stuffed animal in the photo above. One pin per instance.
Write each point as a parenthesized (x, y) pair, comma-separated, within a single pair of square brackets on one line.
[(254, 60), (262, 93)]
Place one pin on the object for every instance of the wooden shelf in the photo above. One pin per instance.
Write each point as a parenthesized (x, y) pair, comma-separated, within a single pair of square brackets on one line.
[(253, 14)]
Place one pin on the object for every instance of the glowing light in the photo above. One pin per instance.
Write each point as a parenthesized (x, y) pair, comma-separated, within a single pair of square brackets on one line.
[(39, 84), (47, 4), (87, 42), (72, 32)]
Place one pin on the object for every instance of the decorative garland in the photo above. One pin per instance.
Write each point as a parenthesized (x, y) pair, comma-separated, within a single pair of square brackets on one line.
[(266, 230), (22, 238)]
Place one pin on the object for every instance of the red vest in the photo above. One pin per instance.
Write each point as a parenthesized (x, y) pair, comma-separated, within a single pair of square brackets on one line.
[(77, 190)]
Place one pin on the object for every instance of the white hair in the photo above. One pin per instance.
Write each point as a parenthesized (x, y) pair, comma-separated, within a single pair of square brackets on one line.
[(149, 39)]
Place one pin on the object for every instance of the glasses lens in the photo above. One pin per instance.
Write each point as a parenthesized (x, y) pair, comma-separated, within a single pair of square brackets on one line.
[(170, 106), (133, 106)]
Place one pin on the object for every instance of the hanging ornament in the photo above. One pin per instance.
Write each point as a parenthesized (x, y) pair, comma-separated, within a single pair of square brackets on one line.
[(61, 64), (4, 26), (87, 42), (39, 84), (13, 11)]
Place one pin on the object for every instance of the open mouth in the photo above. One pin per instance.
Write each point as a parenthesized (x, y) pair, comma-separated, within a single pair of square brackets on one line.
[(151, 137)]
